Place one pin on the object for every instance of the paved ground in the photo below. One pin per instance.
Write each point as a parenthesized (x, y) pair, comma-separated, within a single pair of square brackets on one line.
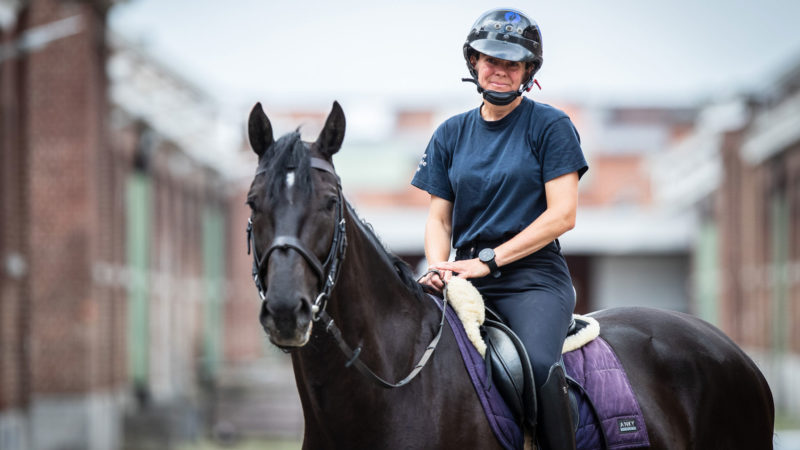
[(245, 444), (258, 404), (259, 400)]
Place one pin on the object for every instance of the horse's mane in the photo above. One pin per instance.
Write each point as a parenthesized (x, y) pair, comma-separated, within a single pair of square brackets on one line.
[(401, 268)]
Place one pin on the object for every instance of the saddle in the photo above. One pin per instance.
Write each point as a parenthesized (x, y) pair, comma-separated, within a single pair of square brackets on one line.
[(497, 364), (509, 368), (506, 361)]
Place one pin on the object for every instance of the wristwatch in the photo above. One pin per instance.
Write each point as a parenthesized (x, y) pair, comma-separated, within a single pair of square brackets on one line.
[(486, 256)]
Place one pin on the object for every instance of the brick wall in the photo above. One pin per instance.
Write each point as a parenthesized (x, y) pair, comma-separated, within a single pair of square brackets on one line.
[(65, 105), (53, 109), (245, 338), (617, 180), (793, 191), (65, 168), (14, 365), (60, 301), (743, 210)]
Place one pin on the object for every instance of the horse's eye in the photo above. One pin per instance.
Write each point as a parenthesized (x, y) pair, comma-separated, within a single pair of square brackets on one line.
[(331, 203)]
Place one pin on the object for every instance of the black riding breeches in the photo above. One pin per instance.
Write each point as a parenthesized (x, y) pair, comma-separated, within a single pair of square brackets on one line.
[(534, 296)]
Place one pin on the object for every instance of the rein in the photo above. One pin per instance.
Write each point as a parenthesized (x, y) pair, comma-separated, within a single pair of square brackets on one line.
[(328, 281), (352, 355)]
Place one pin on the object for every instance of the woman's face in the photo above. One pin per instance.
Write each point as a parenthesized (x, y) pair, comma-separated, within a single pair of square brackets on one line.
[(498, 74)]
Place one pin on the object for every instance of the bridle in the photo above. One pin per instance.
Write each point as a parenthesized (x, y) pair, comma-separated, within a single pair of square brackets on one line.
[(327, 280), (285, 242)]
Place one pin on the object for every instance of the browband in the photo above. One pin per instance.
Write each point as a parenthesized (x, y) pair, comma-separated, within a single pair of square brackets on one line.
[(316, 163), (321, 164)]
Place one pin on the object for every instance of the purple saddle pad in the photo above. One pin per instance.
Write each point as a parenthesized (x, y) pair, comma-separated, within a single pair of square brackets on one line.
[(609, 411), (501, 419), (618, 417)]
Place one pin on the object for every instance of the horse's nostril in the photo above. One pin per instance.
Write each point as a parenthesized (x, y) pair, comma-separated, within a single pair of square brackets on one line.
[(304, 305)]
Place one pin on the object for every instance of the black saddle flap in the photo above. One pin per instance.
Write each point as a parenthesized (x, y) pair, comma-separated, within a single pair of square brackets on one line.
[(510, 368)]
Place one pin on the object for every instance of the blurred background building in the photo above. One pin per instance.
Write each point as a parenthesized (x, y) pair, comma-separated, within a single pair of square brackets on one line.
[(128, 318)]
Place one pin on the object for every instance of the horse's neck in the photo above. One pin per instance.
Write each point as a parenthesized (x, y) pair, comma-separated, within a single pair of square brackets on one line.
[(374, 310), (371, 290)]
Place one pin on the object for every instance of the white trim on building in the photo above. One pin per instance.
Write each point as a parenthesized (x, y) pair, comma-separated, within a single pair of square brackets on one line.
[(773, 131)]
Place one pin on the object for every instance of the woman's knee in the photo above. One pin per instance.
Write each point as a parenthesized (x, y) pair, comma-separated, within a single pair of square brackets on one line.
[(541, 367)]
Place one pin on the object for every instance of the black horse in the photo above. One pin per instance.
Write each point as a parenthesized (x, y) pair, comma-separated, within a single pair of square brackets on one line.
[(319, 270)]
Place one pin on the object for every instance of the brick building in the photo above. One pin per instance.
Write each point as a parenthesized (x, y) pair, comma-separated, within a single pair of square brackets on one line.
[(739, 172), (117, 276), (60, 320)]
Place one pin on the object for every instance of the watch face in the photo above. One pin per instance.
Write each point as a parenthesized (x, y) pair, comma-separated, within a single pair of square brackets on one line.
[(486, 255)]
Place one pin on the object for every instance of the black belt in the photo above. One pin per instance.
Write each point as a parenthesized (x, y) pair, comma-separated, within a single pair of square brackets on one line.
[(472, 249)]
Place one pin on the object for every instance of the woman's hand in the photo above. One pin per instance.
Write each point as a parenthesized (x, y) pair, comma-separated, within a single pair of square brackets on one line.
[(466, 268), (436, 280)]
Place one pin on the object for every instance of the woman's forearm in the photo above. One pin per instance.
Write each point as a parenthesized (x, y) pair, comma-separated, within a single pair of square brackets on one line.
[(437, 241), (438, 230), (557, 219), (545, 229)]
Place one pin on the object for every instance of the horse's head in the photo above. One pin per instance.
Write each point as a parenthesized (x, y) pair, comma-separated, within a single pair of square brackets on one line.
[(297, 225)]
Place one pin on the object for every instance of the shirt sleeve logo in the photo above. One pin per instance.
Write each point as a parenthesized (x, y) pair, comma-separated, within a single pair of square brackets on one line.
[(422, 162)]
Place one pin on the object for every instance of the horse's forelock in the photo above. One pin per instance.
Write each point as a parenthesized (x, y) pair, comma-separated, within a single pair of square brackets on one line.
[(288, 154)]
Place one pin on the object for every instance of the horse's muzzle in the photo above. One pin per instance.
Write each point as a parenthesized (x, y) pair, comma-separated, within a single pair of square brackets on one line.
[(287, 324)]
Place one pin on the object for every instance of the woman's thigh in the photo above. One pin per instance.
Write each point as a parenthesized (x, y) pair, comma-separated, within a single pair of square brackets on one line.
[(538, 312)]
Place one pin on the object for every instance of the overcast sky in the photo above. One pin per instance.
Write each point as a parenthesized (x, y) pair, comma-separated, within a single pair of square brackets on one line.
[(626, 50)]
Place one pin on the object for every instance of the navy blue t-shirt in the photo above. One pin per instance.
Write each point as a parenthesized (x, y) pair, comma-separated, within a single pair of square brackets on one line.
[(494, 172)]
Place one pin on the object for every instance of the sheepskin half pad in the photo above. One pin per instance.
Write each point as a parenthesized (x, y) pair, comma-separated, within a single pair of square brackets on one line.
[(468, 303), (501, 419)]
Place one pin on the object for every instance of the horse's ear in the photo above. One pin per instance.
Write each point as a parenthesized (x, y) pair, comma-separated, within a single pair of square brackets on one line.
[(332, 135), (259, 130)]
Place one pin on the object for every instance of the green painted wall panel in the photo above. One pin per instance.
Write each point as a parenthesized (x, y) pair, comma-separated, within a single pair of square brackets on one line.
[(706, 276), (214, 274), (138, 258), (779, 232)]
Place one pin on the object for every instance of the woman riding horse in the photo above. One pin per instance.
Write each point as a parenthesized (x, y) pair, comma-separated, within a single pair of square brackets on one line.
[(503, 185), (328, 286)]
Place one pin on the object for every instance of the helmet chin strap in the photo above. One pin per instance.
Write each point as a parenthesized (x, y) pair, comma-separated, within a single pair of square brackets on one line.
[(495, 97)]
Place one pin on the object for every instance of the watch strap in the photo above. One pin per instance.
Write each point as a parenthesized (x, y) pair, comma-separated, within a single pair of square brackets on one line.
[(493, 269)]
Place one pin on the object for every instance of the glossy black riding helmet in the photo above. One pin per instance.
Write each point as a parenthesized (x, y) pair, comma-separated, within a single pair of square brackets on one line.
[(505, 34)]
